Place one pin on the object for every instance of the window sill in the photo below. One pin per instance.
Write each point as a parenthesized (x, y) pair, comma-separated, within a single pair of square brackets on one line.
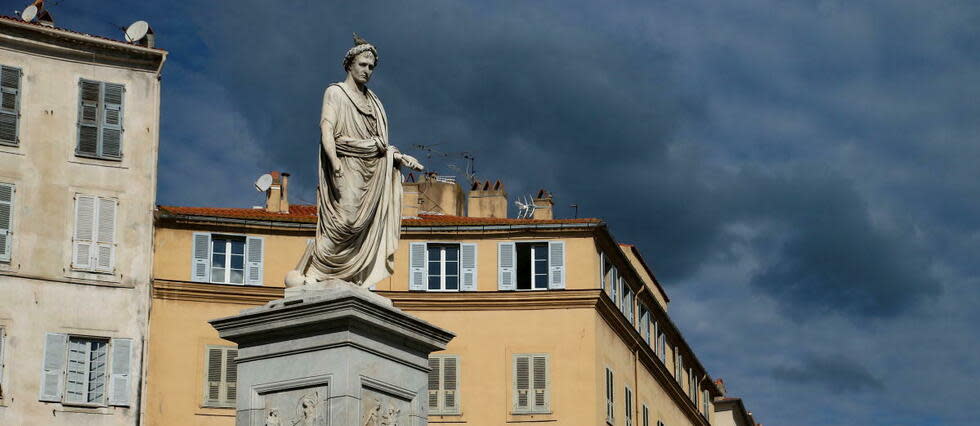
[(96, 278), (11, 149), (95, 161), (85, 409)]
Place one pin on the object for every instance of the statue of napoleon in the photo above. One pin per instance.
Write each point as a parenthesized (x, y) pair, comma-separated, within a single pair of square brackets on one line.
[(359, 194)]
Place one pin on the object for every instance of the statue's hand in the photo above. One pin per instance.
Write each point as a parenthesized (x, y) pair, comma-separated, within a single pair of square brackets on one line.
[(411, 162)]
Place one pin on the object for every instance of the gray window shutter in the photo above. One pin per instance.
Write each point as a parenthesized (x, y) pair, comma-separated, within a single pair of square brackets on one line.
[(84, 245), (112, 100), (610, 393), (105, 235), (213, 380), (506, 266), (450, 379), (614, 283), (200, 257), (3, 335), (522, 383), (231, 376), (53, 367), (6, 220), (467, 266), (417, 274), (434, 380), (9, 104), (120, 377), (539, 368), (602, 270), (556, 264), (253, 258), (90, 93)]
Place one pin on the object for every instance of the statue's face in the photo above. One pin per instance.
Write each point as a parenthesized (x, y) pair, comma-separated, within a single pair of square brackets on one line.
[(361, 67)]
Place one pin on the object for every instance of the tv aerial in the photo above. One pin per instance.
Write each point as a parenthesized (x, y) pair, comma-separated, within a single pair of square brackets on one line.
[(526, 207), (263, 183)]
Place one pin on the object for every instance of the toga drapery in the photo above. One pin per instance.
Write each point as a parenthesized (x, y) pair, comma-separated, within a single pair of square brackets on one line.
[(359, 214)]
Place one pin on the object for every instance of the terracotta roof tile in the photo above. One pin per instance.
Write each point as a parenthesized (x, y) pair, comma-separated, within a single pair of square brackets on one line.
[(307, 213)]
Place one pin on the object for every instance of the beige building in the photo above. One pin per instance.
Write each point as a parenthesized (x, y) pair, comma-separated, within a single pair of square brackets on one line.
[(79, 127), (555, 321)]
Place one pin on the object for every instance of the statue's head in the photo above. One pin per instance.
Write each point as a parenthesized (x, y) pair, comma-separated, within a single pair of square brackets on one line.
[(361, 60)]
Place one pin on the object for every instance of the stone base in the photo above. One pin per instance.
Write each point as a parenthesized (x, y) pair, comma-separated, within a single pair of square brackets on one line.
[(334, 354)]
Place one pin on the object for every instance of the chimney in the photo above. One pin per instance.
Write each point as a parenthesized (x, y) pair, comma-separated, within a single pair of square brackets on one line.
[(431, 194), (720, 384), (543, 200), (487, 199), (276, 197)]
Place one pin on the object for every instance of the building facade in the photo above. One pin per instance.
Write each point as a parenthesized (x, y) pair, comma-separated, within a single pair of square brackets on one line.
[(555, 321), (79, 128)]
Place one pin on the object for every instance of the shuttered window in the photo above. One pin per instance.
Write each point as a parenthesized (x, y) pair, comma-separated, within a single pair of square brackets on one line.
[(531, 383), (646, 415), (220, 376), (100, 118), (610, 397), (645, 323), (442, 267), (227, 259), (94, 239), (629, 406), (444, 384), (6, 220), (86, 371), (705, 403), (9, 105), (531, 265)]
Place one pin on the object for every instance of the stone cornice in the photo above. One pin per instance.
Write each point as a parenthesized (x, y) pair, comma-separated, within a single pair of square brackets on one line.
[(214, 293), (492, 300)]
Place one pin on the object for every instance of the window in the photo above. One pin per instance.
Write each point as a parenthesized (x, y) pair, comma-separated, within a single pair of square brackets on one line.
[(221, 376), (6, 220), (100, 118), (645, 324), (692, 386), (9, 104), (83, 370), (629, 407), (531, 265), (663, 348), (610, 392), (614, 284), (227, 259), (444, 384), (531, 390), (627, 307), (94, 244), (705, 403), (646, 415), (443, 262), (442, 267), (678, 364)]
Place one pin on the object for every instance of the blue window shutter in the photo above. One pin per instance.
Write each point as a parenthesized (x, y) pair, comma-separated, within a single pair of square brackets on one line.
[(556, 264), (112, 112), (120, 378), (53, 367), (9, 104), (200, 257), (89, 95), (83, 247), (6, 220), (506, 266), (468, 266), (253, 261), (417, 274)]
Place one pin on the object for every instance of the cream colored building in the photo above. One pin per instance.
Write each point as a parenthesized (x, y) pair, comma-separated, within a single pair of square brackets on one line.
[(79, 127), (555, 321)]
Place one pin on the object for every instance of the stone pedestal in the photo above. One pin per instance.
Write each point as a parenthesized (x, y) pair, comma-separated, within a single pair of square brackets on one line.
[(338, 355)]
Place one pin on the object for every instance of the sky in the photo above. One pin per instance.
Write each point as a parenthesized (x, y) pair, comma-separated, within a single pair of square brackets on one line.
[(800, 174)]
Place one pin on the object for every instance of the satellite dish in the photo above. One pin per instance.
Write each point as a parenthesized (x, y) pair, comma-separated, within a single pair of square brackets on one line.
[(263, 183), (136, 31), (29, 13)]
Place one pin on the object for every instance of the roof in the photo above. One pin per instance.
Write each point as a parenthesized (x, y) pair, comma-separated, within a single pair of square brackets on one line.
[(306, 213), (76, 33)]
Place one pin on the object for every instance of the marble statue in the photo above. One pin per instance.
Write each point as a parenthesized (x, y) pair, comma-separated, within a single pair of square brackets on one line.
[(359, 192)]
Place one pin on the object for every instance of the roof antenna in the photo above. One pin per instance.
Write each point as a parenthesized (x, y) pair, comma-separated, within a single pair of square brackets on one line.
[(526, 208)]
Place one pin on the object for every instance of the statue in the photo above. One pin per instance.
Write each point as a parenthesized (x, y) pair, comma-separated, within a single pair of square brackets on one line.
[(359, 192)]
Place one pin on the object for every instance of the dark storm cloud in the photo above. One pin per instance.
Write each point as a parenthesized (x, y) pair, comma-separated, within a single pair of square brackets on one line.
[(835, 373), (813, 161)]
